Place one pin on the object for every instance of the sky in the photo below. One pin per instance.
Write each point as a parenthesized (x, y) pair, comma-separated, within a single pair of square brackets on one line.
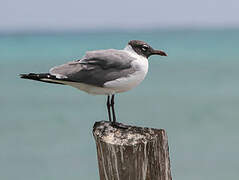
[(21, 15)]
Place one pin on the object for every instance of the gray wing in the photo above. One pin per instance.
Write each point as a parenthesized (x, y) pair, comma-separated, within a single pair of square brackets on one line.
[(96, 67)]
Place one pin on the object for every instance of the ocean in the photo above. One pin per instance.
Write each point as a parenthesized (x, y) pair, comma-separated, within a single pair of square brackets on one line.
[(46, 129)]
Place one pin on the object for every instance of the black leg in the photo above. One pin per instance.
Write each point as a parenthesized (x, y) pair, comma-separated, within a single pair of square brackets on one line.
[(108, 107), (113, 109)]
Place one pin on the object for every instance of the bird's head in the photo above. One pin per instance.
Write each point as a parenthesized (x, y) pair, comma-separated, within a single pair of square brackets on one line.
[(142, 48)]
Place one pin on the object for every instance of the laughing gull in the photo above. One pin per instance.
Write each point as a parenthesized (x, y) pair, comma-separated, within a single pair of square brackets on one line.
[(103, 72)]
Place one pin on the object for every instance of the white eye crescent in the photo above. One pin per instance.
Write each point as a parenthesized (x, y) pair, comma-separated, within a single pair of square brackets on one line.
[(144, 47)]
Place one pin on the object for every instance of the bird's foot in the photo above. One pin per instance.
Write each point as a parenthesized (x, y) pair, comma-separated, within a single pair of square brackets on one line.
[(118, 125)]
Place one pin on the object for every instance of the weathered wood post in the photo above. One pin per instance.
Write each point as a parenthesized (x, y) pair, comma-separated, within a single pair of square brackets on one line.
[(131, 153)]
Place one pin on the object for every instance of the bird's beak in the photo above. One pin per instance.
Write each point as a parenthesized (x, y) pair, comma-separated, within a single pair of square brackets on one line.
[(159, 52)]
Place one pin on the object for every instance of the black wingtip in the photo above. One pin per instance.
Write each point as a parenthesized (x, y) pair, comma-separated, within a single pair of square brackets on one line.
[(29, 76), (23, 75), (40, 77)]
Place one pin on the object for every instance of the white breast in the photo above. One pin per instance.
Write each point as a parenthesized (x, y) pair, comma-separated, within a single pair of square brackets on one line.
[(126, 83)]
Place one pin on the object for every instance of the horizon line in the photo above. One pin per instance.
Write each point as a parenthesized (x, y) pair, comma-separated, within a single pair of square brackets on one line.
[(113, 30)]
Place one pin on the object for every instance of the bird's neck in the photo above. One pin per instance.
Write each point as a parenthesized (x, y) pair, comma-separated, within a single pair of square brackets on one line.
[(130, 49)]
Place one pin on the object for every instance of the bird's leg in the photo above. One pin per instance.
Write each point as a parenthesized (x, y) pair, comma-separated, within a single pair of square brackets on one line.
[(108, 107), (118, 125), (113, 109)]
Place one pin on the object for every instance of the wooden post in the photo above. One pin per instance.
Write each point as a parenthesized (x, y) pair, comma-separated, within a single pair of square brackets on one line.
[(131, 153)]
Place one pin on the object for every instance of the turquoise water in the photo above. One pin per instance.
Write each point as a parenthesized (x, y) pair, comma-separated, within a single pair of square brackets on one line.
[(45, 129)]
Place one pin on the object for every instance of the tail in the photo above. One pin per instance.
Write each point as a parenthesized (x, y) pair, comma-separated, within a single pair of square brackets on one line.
[(44, 77)]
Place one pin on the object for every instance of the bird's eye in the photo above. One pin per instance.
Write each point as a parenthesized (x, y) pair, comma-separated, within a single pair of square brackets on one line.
[(144, 47)]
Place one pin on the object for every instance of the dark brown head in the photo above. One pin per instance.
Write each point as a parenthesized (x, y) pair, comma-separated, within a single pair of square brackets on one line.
[(142, 48)]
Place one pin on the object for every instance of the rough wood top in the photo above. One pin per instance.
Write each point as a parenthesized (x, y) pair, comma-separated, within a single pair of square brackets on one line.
[(121, 134)]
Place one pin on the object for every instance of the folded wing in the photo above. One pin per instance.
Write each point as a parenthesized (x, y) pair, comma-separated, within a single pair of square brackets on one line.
[(96, 67)]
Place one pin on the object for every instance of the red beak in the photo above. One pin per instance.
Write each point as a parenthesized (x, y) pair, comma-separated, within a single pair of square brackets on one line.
[(159, 52)]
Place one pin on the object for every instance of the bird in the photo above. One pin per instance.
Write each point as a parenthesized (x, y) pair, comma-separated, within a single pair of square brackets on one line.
[(103, 72)]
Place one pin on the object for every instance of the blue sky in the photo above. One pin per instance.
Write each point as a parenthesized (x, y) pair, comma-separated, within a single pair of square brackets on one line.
[(103, 14)]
